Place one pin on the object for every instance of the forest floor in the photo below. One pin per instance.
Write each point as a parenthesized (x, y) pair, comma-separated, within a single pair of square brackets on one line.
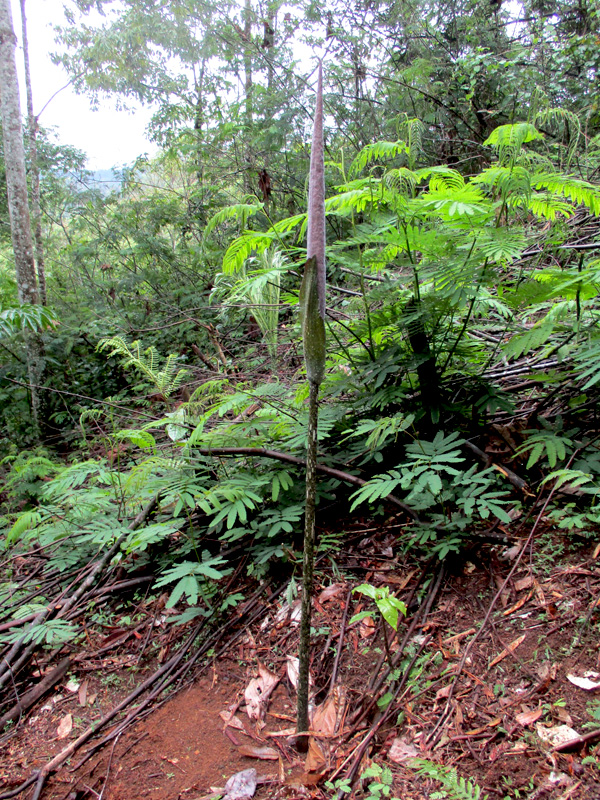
[(491, 677)]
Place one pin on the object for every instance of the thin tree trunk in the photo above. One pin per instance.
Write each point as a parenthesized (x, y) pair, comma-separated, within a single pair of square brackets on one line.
[(18, 206), (32, 128), (248, 87)]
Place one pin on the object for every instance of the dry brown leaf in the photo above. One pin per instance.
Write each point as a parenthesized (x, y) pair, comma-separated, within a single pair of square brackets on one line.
[(557, 735), (65, 726), (240, 785), (584, 682), (254, 751), (443, 693), (292, 667), (458, 717), (231, 720), (509, 649), (258, 691), (275, 734), (82, 694), (526, 718), (399, 581), (458, 636), (327, 717), (563, 715), (316, 760), (519, 604), (330, 592), (539, 593), (596, 552), (524, 583), (366, 628), (402, 751)]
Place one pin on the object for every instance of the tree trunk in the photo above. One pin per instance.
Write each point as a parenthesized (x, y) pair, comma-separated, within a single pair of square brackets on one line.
[(18, 206), (248, 86), (32, 128)]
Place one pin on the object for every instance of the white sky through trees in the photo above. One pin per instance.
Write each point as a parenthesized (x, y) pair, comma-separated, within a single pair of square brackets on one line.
[(109, 137)]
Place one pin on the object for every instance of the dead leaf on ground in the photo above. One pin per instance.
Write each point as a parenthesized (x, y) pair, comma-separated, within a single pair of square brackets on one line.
[(585, 681), (231, 720), (82, 694), (366, 628), (327, 717), (519, 604), (65, 726), (254, 751), (242, 784), (293, 667), (402, 751), (524, 583), (508, 649), (526, 718), (316, 760), (557, 735), (399, 581), (330, 592), (258, 691), (444, 692)]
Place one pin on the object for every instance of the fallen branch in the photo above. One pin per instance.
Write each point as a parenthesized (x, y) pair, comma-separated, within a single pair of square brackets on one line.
[(34, 694)]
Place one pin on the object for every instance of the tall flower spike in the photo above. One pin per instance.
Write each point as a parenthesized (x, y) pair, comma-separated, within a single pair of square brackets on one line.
[(316, 197)]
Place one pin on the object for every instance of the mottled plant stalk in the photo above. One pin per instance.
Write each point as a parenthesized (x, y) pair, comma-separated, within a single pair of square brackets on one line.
[(312, 309)]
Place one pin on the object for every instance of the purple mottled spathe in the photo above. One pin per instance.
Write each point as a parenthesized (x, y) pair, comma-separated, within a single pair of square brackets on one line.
[(316, 197)]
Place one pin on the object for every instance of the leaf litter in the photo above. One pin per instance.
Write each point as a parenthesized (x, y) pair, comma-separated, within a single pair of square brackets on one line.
[(489, 696)]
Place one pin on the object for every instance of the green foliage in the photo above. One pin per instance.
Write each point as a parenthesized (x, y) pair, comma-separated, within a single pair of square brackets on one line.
[(52, 632), (388, 606), (455, 787), (26, 318), (545, 444), (165, 380), (191, 578)]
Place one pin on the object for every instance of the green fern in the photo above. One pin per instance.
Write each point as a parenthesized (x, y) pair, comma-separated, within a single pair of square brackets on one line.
[(509, 139), (239, 211), (165, 380), (457, 788), (544, 443), (378, 151), (240, 250)]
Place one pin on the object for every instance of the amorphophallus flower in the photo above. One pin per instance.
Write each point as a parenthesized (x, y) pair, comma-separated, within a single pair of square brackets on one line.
[(312, 313)]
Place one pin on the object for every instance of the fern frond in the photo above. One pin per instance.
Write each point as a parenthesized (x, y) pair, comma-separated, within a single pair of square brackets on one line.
[(242, 248), (577, 191), (378, 151), (240, 212), (147, 361), (457, 788), (548, 207), (513, 136), (567, 125), (355, 200)]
